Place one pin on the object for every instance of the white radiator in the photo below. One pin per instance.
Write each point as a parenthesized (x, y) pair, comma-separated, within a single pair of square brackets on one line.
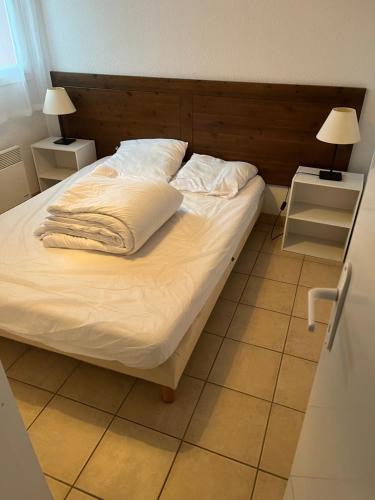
[(14, 188)]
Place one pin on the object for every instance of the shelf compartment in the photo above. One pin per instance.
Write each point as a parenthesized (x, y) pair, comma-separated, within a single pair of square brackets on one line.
[(318, 240), (56, 173), (316, 247), (55, 163), (325, 196), (47, 183), (321, 214)]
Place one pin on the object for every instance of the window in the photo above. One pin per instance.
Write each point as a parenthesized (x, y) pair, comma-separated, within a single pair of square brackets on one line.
[(23, 74), (7, 49)]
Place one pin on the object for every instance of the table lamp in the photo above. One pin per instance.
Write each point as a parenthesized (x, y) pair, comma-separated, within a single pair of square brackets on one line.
[(340, 127), (57, 102)]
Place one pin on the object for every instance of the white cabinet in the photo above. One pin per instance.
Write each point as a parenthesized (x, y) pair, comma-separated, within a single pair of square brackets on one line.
[(56, 162), (321, 213)]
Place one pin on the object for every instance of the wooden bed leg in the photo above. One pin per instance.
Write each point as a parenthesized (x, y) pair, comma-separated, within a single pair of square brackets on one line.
[(168, 395)]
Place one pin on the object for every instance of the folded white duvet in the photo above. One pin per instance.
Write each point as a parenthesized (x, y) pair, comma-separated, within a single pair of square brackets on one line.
[(109, 214)]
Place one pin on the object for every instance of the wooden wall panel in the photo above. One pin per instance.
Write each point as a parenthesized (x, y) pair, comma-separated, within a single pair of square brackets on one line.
[(109, 116), (271, 125)]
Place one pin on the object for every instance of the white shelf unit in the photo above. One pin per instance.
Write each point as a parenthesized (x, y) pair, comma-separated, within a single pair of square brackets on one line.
[(55, 162), (321, 214)]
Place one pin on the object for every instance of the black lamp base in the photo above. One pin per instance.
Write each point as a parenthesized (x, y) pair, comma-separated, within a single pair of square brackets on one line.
[(65, 141), (330, 175)]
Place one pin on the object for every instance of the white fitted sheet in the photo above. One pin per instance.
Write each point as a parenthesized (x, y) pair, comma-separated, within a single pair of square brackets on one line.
[(133, 309)]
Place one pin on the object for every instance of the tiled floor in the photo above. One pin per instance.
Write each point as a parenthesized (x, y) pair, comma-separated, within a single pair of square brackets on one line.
[(231, 433)]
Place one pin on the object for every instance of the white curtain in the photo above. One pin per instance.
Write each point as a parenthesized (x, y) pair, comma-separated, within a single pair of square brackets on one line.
[(23, 85)]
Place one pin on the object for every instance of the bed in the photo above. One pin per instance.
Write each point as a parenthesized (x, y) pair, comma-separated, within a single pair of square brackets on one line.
[(140, 315), (143, 315)]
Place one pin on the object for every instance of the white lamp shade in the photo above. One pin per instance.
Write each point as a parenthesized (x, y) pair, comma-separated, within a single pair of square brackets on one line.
[(340, 127), (57, 102)]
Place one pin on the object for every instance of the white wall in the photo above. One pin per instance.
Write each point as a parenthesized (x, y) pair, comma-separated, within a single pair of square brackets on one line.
[(24, 131), (288, 41)]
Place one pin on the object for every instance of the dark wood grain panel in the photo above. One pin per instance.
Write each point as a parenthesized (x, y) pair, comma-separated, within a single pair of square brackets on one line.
[(269, 91), (109, 116), (262, 113), (114, 104), (187, 123), (271, 125), (244, 125)]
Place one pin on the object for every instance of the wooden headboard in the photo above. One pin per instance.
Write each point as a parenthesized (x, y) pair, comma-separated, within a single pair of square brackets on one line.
[(271, 125)]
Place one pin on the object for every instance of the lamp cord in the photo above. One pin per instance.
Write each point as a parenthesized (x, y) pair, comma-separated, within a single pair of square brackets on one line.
[(282, 208)]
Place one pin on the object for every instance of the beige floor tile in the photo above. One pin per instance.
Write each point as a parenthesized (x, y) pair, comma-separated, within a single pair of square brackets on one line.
[(64, 435), (78, 495), (203, 356), (246, 368), (315, 274), (221, 317), (104, 389), (278, 268), (322, 307), (246, 261), (274, 247), (200, 474), (30, 400), (269, 487), (58, 490), (294, 383), (300, 342), (10, 351), (259, 326), (144, 406), (229, 423), (269, 294), (255, 240), (44, 369), (281, 440), (234, 286), (130, 462)]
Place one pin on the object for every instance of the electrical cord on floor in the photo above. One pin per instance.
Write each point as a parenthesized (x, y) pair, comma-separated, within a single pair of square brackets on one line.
[(283, 205), (282, 208)]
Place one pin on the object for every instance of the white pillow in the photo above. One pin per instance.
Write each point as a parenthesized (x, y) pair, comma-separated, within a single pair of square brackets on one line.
[(209, 175), (156, 158)]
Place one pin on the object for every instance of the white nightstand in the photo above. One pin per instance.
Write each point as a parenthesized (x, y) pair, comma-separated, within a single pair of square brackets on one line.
[(54, 162), (321, 213)]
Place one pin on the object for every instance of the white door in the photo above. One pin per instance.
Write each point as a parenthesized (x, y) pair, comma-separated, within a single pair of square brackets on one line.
[(335, 457), (20, 475)]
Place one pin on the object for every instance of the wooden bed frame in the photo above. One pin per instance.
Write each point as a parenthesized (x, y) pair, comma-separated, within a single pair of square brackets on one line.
[(271, 125)]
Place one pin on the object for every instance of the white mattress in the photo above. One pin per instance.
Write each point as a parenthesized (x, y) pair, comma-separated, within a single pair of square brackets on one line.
[(132, 309)]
